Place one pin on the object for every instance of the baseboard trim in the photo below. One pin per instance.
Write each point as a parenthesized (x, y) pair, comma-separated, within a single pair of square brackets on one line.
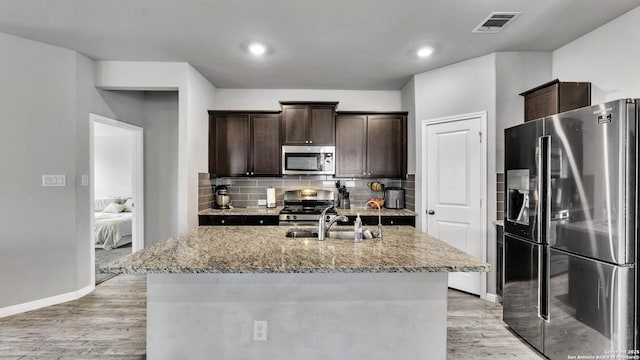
[(494, 298), (53, 300)]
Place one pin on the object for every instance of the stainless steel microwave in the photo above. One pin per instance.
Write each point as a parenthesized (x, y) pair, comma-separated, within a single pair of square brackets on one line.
[(308, 160)]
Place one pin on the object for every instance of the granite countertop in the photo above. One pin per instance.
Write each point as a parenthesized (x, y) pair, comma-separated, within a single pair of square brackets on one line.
[(265, 249), (374, 212), (261, 210), (258, 210)]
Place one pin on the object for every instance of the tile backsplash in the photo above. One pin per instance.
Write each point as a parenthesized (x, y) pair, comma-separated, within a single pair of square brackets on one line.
[(205, 191), (410, 192), (247, 191), (499, 196)]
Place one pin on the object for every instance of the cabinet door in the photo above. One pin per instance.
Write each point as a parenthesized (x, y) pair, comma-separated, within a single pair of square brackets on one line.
[(295, 119), (386, 146), (231, 145), (265, 144), (541, 103), (351, 145), (322, 125)]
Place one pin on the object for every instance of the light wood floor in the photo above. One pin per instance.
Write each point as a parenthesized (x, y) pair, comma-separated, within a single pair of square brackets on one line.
[(110, 323)]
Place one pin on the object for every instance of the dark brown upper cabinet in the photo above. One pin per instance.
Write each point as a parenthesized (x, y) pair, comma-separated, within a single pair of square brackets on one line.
[(555, 97), (308, 123), (371, 144), (244, 144)]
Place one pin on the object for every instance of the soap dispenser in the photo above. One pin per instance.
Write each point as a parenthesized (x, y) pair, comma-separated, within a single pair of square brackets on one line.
[(357, 229)]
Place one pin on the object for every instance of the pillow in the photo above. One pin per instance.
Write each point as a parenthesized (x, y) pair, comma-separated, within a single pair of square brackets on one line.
[(101, 203), (114, 208), (128, 205)]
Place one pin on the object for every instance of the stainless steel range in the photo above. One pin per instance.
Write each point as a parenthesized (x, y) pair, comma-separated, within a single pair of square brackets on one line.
[(303, 207)]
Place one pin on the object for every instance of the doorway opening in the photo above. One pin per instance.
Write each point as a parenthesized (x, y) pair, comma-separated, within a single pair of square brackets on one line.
[(116, 185), (454, 173)]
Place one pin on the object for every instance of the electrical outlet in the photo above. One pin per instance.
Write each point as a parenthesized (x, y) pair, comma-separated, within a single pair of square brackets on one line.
[(260, 330), (262, 202)]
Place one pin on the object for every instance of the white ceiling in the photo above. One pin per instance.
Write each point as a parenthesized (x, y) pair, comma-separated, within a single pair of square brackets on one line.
[(314, 44)]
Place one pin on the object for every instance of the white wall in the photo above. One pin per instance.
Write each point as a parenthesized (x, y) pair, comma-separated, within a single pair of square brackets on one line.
[(268, 99), (408, 94), (516, 72), (157, 113), (113, 166), (160, 124), (461, 88), (41, 236), (195, 96), (465, 87), (201, 98), (607, 57)]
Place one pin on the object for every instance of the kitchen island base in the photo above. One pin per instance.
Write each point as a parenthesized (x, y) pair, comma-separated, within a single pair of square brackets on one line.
[(309, 315)]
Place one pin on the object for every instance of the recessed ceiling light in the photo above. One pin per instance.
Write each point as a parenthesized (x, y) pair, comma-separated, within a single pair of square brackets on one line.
[(257, 49), (425, 52)]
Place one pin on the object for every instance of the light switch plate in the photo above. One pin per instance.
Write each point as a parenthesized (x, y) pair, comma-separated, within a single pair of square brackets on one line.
[(54, 180), (85, 180), (262, 202)]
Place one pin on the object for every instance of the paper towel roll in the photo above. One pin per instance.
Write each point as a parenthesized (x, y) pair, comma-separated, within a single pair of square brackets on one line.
[(271, 197)]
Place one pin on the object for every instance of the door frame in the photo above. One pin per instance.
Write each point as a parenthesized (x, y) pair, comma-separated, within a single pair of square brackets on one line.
[(482, 116), (137, 190)]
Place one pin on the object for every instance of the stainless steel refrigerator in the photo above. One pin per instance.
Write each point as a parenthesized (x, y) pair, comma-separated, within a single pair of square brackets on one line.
[(570, 231)]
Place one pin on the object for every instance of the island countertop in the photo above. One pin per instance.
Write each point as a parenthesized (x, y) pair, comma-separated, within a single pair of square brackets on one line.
[(265, 249)]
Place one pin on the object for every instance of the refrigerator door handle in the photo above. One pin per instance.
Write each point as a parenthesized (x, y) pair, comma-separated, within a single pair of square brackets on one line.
[(542, 213), (543, 210), (543, 283)]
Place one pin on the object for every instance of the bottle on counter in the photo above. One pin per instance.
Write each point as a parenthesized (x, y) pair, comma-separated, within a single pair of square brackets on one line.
[(357, 229)]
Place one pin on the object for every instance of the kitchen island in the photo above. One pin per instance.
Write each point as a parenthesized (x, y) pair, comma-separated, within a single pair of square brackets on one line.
[(332, 299)]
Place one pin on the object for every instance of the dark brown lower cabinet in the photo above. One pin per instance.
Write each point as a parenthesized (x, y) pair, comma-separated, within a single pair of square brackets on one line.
[(386, 220), (238, 220)]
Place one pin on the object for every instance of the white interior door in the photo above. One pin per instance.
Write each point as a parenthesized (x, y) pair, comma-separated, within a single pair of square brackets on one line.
[(454, 191)]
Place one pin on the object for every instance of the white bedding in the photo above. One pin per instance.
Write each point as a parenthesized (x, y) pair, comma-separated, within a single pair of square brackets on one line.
[(112, 229)]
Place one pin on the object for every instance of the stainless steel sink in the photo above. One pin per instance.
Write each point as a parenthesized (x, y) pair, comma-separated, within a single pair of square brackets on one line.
[(302, 233), (332, 234), (349, 234)]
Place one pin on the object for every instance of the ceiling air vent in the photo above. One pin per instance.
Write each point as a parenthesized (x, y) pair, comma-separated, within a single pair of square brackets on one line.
[(495, 22)]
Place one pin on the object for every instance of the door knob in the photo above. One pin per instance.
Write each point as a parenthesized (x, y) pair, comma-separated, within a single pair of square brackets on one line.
[(431, 212)]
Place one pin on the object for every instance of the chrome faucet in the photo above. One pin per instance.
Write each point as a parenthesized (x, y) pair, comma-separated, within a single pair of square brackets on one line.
[(323, 227), (379, 232)]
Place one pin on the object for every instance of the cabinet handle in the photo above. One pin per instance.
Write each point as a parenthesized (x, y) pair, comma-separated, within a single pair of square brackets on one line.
[(369, 174), (261, 221), (310, 141), (306, 141), (252, 173), (391, 222), (431, 212), (221, 221), (364, 173), (247, 173)]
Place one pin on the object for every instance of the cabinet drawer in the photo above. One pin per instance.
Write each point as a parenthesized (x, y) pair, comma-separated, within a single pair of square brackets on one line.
[(249, 220), (386, 220), (221, 220), (261, 220)]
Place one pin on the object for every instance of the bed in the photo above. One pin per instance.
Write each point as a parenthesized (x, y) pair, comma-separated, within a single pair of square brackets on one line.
[(113, 220)]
